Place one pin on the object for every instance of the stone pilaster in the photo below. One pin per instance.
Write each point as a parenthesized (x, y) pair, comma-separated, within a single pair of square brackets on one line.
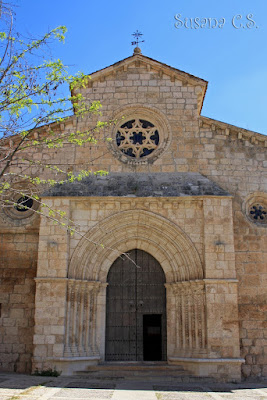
[(50, 302)]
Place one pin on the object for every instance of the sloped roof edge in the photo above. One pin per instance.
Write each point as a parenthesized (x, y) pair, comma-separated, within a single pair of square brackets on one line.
[(130, 184), (242, 133), (150, 60)]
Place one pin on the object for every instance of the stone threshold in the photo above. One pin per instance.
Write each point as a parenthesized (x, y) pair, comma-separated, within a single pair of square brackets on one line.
[(206, 360), (69, 359)]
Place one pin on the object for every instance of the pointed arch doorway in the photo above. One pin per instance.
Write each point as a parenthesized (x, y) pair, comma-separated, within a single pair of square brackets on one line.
[(136, 309)]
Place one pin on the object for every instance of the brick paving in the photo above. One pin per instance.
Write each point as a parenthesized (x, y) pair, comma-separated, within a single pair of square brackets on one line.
[(27, 387)]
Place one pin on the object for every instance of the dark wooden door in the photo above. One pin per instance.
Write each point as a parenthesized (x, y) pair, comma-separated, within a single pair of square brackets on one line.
[(134, 292)]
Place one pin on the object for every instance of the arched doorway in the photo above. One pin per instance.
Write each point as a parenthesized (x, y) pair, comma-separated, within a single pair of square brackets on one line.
[(136, 309)]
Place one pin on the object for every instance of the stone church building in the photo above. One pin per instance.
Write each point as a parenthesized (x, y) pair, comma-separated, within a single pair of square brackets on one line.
[(170, 264)]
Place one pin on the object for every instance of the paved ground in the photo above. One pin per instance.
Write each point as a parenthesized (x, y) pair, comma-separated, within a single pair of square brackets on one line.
[(25, 387)]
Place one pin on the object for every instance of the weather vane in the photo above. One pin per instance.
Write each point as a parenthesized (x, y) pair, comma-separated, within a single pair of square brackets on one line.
[(137, 36)]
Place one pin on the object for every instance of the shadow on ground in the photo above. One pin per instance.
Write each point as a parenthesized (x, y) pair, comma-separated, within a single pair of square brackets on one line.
[(23, 382)]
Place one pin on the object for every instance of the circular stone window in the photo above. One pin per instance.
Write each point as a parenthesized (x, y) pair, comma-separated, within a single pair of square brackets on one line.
[(137, 138), (24, 203), (256, 209), (20, 203), (258, 213), (140, 135)]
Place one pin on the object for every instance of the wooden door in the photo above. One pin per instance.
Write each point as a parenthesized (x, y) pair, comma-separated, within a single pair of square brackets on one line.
[(134, 293)]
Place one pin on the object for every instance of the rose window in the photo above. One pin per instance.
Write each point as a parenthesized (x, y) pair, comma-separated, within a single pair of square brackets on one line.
[(255, 208), (258, 213), (137, 138)]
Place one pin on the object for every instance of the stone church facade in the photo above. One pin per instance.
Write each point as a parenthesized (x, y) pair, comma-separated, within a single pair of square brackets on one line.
[(171, 261)]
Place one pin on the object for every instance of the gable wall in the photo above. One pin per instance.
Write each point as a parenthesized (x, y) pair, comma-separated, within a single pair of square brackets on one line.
[(234, 163)]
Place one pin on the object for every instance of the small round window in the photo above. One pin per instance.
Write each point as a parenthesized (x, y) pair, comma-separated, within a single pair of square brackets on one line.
[(19, 202), (255, 208), (137, 138), (258, 213), (23, 204)]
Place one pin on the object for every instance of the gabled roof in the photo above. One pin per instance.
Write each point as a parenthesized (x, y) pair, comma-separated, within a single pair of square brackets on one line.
[(140, 60), (167, 69)]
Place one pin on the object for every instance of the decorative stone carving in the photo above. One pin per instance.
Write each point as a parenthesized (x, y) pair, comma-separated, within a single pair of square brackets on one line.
[(142, 138), (180, 259), (80, 337), (137, 138), (255, 208), (258, 212), (190, 318)]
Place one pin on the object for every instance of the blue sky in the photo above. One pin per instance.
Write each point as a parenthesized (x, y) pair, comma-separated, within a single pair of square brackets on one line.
[(233, 60)]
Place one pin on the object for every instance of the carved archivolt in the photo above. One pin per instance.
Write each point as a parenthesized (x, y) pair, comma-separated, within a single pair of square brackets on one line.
[(138, 229), (89, 266)]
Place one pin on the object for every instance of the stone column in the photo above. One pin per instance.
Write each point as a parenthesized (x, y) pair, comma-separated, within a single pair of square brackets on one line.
[(81, 320), (171, 317), (188, 325), (93, 319), (101, 320)]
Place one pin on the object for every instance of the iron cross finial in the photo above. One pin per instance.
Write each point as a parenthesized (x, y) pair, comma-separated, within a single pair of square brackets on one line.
[(137, 36)]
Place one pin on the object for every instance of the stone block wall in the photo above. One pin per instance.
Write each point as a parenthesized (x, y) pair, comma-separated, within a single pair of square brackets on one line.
[(187, 214), (232, 157), (18, 260), (56, 310), (49, 321), (51, 287)]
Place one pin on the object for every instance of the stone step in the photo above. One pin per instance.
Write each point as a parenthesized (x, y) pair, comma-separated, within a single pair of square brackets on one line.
[(149, 371), (132, 366), (160, 378)]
